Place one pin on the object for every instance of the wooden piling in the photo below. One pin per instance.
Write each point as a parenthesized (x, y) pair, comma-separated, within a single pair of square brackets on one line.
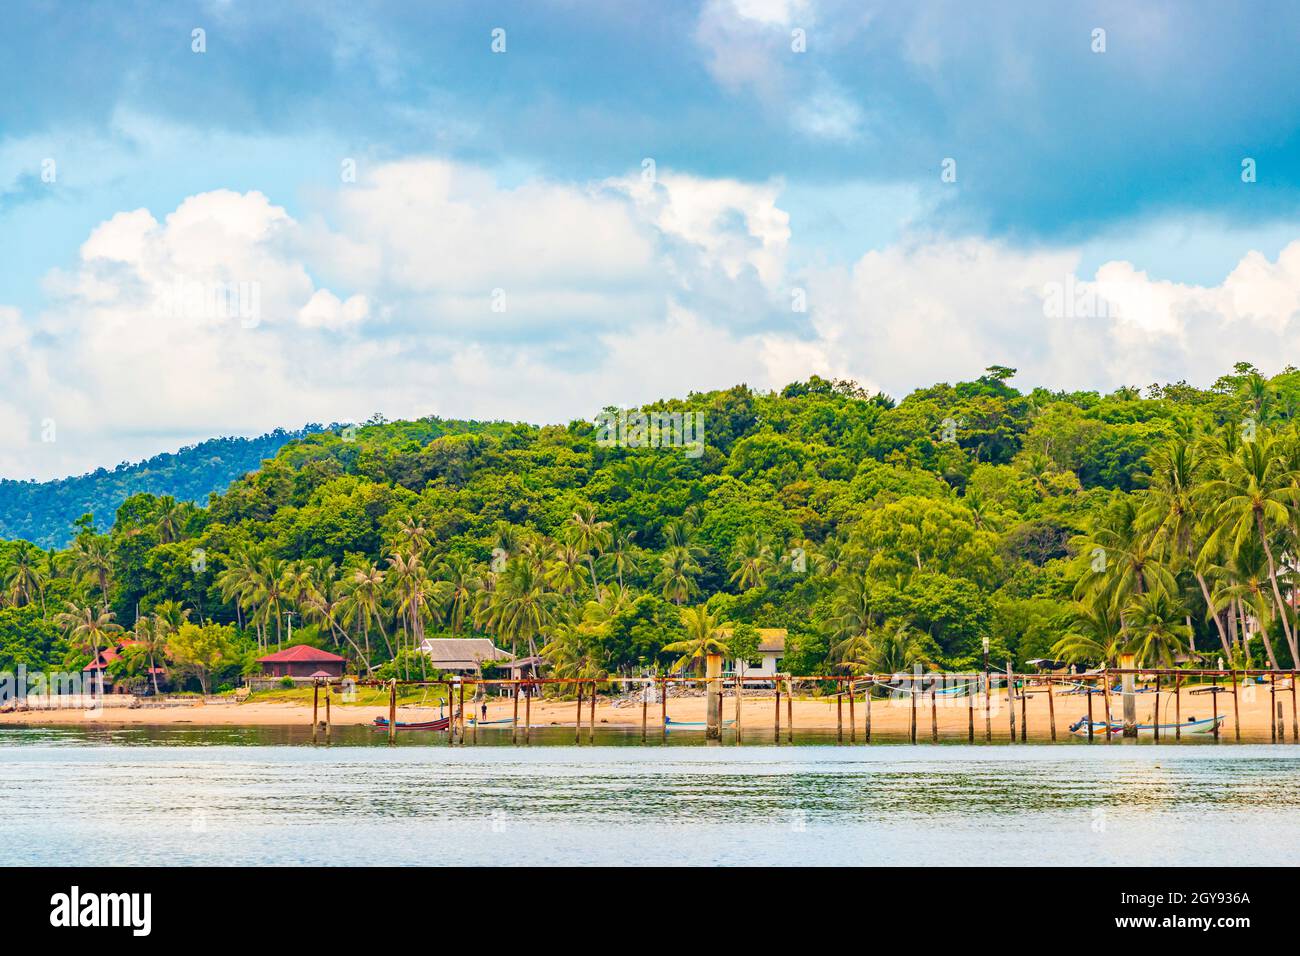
[(988, 708), (1295, 723), (663, 706), (1089, 689), (776, 684), (591, 721), (473, 728), (315, 705), (1214, 693), (789, 710), (911, 695), (577, 731), (740, 693), (514, 717), (934, 711), (645, 711), (1024, 711), (970, 716), (461, 718), (1272, 707), (1051, 709), (528, 714), (839, 716), (1178, 707), (853, 721), (1155, 721), (329, 725), (1105, 676), (392, 711), (1011, 702), (1236, 707), (868, 702)]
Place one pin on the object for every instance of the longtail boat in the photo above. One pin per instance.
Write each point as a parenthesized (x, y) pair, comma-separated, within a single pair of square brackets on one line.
[(1206, 725), (442, 723)]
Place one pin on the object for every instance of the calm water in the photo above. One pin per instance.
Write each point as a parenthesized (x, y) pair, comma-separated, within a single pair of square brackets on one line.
[(234, 796)]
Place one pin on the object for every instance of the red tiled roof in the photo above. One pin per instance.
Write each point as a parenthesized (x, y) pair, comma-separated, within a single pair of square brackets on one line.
[(301, 653)]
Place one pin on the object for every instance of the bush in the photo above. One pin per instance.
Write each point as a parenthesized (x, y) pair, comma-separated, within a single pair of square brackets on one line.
[(287, 683)]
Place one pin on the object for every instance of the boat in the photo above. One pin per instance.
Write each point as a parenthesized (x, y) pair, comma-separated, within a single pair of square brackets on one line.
[(692, 724), (442, 723), (1206, 725), (484, 723)]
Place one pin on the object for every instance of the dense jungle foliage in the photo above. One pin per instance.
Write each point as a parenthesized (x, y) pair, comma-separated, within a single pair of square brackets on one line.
[(1162, 522)]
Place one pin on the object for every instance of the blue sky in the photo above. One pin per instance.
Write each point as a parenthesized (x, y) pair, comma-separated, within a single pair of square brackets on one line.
[(775, 169)]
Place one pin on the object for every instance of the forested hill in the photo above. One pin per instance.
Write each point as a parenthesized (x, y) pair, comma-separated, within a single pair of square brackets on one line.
[(44, 512), (881, 534)]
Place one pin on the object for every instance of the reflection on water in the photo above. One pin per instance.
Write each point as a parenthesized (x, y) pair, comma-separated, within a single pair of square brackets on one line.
[(234, 795)]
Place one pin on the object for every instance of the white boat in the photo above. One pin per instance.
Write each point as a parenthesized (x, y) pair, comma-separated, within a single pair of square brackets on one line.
[(1206, 725)]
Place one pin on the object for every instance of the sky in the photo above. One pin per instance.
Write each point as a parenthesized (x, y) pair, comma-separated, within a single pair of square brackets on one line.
[(221, 217)]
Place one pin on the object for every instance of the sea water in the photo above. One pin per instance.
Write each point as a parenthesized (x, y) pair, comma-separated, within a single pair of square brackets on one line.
[(266, 796)]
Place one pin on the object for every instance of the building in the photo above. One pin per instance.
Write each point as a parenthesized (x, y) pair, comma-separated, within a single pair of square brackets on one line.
[(302, 662), (99, 677), (462, 655), (768, 658)]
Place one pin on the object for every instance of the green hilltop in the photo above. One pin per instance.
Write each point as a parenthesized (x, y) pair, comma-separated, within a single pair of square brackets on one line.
[(880, 534)]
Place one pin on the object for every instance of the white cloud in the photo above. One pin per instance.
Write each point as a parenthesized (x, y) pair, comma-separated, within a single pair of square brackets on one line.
[(228, 315)]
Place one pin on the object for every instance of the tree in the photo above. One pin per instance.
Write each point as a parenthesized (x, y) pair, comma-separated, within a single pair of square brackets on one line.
[(201, 649), (703, 638)]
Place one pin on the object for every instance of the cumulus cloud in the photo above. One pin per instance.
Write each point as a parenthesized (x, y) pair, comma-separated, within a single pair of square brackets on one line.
[(229, 315)]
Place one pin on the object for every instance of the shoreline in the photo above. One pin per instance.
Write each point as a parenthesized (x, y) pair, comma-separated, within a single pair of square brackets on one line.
[(890, 717)]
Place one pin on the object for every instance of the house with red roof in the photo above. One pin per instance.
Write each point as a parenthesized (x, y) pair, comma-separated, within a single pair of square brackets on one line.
[(97, 670), (303, 662)]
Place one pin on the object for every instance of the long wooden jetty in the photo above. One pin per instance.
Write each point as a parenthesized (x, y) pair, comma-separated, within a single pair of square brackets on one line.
[(978, 694)]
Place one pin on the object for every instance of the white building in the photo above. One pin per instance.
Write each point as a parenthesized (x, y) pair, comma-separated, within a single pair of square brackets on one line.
[(767, 659)]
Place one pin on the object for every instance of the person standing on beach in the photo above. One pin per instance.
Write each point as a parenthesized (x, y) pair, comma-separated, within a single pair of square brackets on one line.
[(484, 710)]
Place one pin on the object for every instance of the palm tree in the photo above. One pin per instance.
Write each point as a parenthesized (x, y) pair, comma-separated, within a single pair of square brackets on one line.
[(1156, 628), (676, 577), (413, 537), (170, 515), (591, 536), (24, 578), (364, 604), (461, 576), (702, 637), (620, 555), (752, 560), (89, 630), (566, 573), (1255, 493), (521, 608), (151, 635), (1093, 633), (92, 560)]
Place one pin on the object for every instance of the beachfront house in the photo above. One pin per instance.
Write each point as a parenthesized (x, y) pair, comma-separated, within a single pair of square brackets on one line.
[(101, 680), (767, 659), (462, 655), (302, 662)]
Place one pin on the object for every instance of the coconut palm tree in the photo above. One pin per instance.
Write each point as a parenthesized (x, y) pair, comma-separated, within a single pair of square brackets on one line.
[(363, 605), (92, 561), (620, 556), (461, 577), (1254, 494), (591, 536), (1157, 633), (170, 515), (25, 579), (703, 637), (752, 560), (1093, 632), (88, 629), (676, 577)]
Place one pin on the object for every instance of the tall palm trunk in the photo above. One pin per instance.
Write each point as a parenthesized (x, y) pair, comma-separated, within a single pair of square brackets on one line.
[(1277, 592)]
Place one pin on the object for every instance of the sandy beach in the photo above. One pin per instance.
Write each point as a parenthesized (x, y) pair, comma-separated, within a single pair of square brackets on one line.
[(889, 716)]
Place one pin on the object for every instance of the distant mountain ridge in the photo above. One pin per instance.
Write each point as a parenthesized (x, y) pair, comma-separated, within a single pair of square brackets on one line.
[(43, 512)]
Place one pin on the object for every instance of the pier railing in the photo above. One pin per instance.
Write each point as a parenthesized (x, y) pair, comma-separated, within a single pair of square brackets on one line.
[(980, 692)]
